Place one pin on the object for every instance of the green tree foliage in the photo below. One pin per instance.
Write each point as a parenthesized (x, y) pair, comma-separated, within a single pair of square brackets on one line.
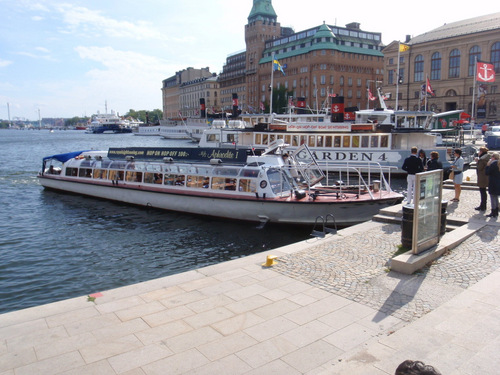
[(153, 116), (280, 99)]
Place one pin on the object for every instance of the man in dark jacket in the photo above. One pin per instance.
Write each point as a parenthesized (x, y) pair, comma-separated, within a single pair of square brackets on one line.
[(412, 165)]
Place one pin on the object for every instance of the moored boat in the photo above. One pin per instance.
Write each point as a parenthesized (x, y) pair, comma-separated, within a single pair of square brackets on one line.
[(227, 183), (384, 136), (108, 123)]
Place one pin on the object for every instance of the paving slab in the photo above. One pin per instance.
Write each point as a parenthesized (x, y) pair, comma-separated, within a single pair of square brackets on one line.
[(329, 306)]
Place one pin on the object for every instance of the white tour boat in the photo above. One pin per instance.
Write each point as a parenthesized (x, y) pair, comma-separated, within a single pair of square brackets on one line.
[(271, 187), (148, 130), (183, 128), (384, 136)]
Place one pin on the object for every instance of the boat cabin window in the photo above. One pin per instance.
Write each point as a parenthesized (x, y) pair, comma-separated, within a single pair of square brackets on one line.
[(295, 140), (101, 174), (137, 166), (115, 175), (153, 178), (258, 139), (328, 141), (231, 138), (223, 183), (288, 138), (384, 141), (374, 141), (85, 172), (264, 139), (213, 138), (118, 164), (134, 176), (72, 172), (346, 141), (312, 141), (152, 167), (279, 181), (319, 141), (204, 170), (198, 181), (355, 141), (250, 173), (247, 185), (365, 139), (336, 141), (226, 171), (174, 179)]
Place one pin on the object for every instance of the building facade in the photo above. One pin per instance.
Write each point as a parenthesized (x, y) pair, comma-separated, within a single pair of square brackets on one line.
[(232, 80), (179, 92), (317, 62), (447, 57)]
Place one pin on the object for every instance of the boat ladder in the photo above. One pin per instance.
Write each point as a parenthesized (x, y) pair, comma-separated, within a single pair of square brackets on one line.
[(326, 227)]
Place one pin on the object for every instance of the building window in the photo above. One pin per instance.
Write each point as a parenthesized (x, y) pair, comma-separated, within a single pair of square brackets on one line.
[(349, 81), (419, 69), (436, 66), (454, 66), (341, 80), (474, 56), (390, 77), (495, 56), (323, 79)]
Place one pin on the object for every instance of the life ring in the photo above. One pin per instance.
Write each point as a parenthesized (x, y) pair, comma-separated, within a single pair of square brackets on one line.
[(263, 184)]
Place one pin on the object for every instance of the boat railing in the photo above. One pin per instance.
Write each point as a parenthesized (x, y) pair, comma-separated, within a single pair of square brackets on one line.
[(368, 176), (342, 180)]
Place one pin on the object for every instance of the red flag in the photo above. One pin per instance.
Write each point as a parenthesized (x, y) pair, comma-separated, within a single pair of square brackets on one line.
[(485, 72), (428, 87), (370, 95)]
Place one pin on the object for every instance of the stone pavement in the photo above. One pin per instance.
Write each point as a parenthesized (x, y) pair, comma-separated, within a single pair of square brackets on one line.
[(329, 306)]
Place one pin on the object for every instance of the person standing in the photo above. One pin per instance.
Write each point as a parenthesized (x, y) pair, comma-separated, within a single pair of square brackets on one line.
[(482, 179), (424, 158), (412, 165), (434, 162), (493, 172), (458, 168)]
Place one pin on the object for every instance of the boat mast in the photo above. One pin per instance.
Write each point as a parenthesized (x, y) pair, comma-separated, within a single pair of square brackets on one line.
[(271, 87)]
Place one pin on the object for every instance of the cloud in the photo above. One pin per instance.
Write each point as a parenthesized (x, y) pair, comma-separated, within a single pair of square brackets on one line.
[(4, 63), (84, 21)]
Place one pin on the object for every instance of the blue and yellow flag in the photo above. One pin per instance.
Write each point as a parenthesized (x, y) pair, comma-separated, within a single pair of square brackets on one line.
[(277, 66)]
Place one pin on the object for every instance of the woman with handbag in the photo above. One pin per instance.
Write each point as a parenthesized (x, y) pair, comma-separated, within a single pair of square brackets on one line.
[(457, 169)]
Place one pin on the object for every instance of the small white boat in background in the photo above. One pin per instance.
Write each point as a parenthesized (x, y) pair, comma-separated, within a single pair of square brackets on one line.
[(227, 183), (148, 130)]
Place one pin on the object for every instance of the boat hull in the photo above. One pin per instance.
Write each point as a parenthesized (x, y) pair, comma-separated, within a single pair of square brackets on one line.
[(286, 211)]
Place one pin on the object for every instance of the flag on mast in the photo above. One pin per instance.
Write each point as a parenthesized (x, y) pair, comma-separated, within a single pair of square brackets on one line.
[(403, 47), (485, 72), (370, 96), (428, 87), (277, 66)]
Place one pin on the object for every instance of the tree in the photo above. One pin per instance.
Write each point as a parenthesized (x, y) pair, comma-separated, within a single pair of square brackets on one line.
[(153, 116), (280, 99)]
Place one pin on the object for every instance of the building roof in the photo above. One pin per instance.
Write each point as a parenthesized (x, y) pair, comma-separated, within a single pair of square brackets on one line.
[(262, 9), (324, 37), (464, 27)]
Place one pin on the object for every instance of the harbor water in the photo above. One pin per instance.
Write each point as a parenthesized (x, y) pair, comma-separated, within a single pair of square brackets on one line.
[(55, 246)]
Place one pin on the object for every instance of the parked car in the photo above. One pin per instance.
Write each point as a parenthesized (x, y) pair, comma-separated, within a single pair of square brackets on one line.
[(493, 130)]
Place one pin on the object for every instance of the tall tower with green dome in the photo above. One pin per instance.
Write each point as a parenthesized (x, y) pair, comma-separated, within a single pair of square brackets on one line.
[(262, 25), (262, 10)]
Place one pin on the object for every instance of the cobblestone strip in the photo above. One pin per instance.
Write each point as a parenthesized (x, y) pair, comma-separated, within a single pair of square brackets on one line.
[(356, 267)]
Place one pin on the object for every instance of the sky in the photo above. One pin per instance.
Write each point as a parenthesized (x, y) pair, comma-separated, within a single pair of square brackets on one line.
[(81, 57)]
